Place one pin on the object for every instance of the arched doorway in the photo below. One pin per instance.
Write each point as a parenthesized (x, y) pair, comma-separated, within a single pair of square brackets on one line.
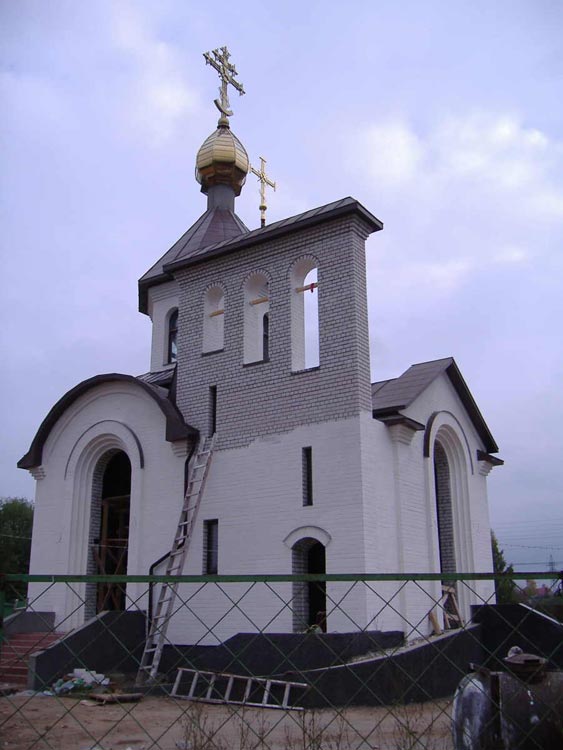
[(109, 527), (309, 597)]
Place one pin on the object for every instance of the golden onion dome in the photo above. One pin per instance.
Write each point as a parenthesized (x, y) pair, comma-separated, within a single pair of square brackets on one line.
[(222, 160)]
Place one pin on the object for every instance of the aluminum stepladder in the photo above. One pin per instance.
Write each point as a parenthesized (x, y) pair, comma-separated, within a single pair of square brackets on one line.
[(217, 687), (156, 637)]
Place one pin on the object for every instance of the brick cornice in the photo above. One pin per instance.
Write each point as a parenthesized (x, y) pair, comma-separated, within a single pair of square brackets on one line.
[(401, 428)]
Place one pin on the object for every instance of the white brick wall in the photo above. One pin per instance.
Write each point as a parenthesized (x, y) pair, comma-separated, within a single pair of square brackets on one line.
[(256, 494)]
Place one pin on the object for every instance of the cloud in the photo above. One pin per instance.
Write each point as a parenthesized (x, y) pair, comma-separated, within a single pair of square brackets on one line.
[(393, 152), (511, 254), (473, 194), (483, 153), (159, 98)]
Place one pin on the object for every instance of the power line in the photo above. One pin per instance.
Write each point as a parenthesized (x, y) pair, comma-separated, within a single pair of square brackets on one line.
[(538, 562), (533, 520), (530, 546)]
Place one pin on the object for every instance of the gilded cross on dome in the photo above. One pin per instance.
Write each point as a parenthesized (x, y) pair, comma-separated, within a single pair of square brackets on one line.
[(227, 73), (264, 180)]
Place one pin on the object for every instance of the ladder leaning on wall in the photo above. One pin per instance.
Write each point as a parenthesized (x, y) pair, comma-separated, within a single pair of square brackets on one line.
[(156, 637)]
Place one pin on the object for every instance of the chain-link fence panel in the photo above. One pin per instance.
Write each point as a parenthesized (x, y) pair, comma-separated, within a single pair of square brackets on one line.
[(316, 662)]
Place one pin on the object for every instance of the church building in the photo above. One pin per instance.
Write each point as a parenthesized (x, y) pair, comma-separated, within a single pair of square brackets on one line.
[(260, 380)]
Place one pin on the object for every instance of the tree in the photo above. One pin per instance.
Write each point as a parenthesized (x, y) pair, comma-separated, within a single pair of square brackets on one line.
[(16, 521), (505, 587), (529, 591)]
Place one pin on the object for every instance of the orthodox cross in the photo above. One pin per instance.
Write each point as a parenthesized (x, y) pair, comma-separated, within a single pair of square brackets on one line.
[(227, 73), (264, 180)]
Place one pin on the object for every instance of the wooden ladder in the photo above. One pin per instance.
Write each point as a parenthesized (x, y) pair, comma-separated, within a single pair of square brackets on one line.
[(448, 602), (450, 609), (156, 638), (241, 690)]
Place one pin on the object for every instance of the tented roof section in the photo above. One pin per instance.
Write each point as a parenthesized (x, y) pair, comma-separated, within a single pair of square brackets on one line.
[(390, 396), (215, 225)]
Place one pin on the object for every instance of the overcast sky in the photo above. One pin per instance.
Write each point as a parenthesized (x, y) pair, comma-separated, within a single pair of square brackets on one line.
[(445, 119)]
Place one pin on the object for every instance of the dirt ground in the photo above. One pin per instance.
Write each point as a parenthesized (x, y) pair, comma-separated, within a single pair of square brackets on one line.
[(52, 723)]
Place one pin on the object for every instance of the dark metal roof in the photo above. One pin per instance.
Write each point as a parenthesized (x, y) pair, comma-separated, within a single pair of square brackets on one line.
[(390, 396), (162, 378), (280, 229), (398, 393), (493, 460), (188, 252), (176, 427), (214, 226)]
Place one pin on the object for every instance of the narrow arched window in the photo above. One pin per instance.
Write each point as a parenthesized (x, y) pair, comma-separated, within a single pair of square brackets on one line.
[(304, 315), (213, 319), (444, 510), (172, 349), (256, 318), (266, 337)]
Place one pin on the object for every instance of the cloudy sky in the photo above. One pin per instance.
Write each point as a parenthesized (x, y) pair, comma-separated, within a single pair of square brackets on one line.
[(445, 119)]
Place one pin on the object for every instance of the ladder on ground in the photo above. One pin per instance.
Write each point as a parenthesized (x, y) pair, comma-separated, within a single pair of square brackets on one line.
[(156, 638), (235, 689)]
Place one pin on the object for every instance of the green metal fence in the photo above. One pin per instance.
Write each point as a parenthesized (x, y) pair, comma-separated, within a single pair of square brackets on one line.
[(247, 664)]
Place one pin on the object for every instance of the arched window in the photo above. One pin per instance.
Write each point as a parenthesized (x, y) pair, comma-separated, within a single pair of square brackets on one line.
[(172, 349), (444, 510), (454, 532), (256, 319), (213, 319), (304, 315)]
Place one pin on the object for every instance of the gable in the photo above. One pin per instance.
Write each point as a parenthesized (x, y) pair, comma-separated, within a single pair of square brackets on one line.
[(390, 397)]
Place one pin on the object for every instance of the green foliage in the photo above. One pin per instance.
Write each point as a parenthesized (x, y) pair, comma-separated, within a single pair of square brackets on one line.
[(529, 591), (506, 589), (16, 521)]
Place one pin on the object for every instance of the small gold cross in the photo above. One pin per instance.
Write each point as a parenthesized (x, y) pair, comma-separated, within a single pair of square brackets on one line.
[(227, 73), (264, 180)]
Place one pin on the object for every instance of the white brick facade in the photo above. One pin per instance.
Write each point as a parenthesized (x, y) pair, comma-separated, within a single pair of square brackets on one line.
[(374, 497)]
